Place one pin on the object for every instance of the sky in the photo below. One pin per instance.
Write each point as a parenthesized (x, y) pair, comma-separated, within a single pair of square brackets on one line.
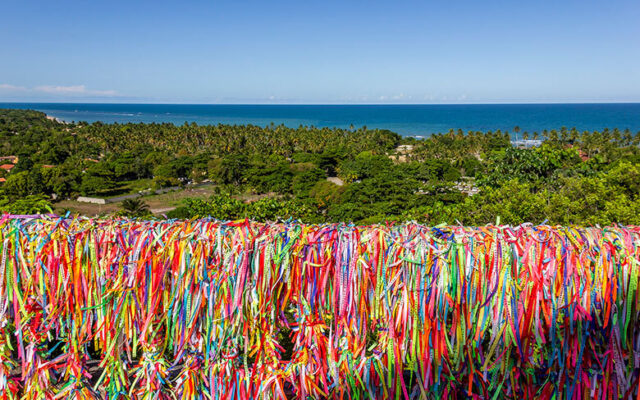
[(317, 52)]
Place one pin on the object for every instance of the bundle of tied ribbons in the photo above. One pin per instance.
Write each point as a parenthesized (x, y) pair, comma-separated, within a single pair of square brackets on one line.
[(204, 309)]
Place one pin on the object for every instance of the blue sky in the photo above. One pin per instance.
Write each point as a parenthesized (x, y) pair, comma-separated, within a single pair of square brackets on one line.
[(456, 51)]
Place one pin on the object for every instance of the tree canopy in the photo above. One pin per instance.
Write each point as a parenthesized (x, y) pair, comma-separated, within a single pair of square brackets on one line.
[(376, 175)]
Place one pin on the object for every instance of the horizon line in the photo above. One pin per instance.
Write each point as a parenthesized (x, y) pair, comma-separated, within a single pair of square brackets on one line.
[(324, 104)]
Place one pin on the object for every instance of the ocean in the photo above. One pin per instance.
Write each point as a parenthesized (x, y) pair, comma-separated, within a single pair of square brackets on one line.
[(419, 120)]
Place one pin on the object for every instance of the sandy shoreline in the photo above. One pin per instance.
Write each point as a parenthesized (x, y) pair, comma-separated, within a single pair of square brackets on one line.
[(55, 119)]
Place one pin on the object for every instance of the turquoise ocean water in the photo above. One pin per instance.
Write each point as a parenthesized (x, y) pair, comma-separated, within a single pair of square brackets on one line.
[(420, 120)]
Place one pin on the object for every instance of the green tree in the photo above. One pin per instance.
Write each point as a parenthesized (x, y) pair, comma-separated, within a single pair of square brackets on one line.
[(25, 183), (31, 204), (228, 169), (134, 208), (97, 179)]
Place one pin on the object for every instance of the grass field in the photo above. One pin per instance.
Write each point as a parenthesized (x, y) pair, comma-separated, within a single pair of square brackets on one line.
[(158, 203)]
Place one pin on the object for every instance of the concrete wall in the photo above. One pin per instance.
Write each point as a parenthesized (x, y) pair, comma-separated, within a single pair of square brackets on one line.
[(93, 200)]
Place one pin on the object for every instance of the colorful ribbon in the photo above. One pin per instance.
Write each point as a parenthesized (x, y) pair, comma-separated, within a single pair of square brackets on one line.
[(128, 309)]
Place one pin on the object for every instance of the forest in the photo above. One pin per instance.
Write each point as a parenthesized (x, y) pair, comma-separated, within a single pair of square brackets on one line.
[(317, 175)]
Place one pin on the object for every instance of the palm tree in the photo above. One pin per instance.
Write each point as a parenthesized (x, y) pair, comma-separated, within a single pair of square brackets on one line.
[(627, 137), (574, 135), (134, 208), (564, 134)]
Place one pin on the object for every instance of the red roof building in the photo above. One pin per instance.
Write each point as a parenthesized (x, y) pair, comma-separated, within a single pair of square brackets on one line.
[(7, 167), (13, 159)]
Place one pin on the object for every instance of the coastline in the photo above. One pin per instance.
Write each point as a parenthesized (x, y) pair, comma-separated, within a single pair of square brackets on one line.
[(407, 120), (51, 118)]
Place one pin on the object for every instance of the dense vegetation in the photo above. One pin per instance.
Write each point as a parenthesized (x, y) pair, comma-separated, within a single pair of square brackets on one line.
[(572, 177)]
